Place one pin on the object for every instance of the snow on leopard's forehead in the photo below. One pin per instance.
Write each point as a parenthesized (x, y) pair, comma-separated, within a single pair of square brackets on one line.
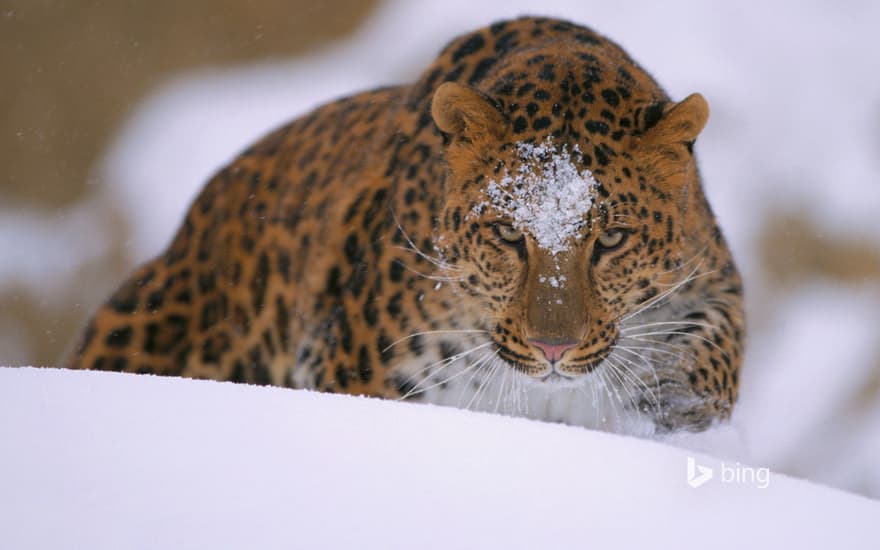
[(547, 197)]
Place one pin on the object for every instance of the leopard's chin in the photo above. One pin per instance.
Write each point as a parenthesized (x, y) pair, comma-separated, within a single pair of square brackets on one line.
[(556, 379)]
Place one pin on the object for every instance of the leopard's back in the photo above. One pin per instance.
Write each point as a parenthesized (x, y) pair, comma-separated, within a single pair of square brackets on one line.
[(256, 256)]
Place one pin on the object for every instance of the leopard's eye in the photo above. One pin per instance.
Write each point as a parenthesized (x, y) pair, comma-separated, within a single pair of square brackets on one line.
[(508, 233), (611, 239)]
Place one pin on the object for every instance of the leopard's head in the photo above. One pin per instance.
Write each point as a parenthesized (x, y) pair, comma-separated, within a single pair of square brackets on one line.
[(563, 219)]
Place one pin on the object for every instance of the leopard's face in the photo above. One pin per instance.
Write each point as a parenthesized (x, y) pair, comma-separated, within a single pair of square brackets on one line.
[(554, 298), (560, 257)]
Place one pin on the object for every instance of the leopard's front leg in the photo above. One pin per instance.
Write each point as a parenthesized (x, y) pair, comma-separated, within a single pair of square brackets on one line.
[(687, 355)]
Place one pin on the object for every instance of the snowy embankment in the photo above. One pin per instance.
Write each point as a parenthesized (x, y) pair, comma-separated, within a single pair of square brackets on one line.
[(103, 460)]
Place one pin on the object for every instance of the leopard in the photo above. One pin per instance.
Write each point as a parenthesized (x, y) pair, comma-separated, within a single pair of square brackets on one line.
[(521, 230)]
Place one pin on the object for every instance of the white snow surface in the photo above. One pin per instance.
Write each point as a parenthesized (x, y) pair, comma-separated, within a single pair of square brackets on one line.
[(104, 460), (546, 196)]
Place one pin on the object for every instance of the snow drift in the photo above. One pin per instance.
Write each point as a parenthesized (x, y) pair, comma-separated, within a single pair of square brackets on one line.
[(104, 460)]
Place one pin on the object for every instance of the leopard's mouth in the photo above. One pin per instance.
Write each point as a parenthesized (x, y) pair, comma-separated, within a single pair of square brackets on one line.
[(583, 365), (562, 372)]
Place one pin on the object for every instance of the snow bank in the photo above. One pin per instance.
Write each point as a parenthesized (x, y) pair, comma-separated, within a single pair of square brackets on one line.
[(103, 460)]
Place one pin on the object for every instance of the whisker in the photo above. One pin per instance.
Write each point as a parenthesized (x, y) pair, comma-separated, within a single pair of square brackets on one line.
[(450, 359), (474, 373), (654, 300), (436, 261), (627, 373), (439, 262), (677, 347), (475, 365), (614, 370), (679, 333), (439, 278), (648, 367), (698, 255), (647, 304), (445, 362), (628, 329), (430, 332), (478, 395), (694, 278), (593, 392), (501, 389), (646, 361), (606, 384), (678, 355), (515, 393)]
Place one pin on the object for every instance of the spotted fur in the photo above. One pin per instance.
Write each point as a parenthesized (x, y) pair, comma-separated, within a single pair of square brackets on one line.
[(347, 251)]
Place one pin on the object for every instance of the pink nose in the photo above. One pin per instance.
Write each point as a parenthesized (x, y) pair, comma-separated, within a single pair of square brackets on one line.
[(553, 349)]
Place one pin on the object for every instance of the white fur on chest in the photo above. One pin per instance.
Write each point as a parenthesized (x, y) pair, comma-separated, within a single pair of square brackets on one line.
[(493, 386)]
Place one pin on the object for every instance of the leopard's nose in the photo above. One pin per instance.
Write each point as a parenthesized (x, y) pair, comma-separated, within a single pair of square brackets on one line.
[(553, 349)]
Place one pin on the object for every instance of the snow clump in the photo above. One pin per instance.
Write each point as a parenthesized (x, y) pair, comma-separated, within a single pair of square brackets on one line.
[(547, 197)]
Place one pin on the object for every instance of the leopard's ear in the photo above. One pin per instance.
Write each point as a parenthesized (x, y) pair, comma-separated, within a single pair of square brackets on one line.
[(462, 110), (679, 123)]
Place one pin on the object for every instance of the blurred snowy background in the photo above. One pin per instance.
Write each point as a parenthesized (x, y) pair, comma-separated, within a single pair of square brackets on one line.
[(112, 117)]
